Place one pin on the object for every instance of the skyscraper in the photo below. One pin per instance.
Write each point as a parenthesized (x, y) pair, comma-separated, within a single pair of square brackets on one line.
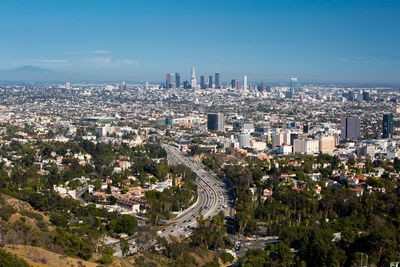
[(387, 125), (170, 80), (177, 80), (215, 122), (193, 81), (262, 87), (237, 84), (233, 83), (218, 83), (244, 83), (294, 87), (68, 85), (350, 128), (186, 85), (202, 82), (366, 96), (350, 96), (210, 81)]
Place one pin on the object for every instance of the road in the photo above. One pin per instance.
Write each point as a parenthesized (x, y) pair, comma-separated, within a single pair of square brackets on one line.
[(212, 194)]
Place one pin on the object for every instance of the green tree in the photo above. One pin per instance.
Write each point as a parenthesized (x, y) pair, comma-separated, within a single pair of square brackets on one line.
[(124, 247)]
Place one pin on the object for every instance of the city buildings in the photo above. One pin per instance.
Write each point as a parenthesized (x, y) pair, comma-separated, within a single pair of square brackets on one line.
[(387, 125), (218, 82), (210, 81), (170, 80), (306, 146), (193, 81), (350, 128), (202, 82), (215, 122), (177, 80), (244, 140)]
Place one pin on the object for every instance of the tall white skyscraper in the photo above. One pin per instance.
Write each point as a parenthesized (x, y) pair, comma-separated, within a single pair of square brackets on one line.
[(68, 85), (244, 83), (193, 81)]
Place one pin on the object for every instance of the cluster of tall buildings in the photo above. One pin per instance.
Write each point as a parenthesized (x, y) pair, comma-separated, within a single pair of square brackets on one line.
[(174, 81), (350, 127), (358, 96), (293, 89)]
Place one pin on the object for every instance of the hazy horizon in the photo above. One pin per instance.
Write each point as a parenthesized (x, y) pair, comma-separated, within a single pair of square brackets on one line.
[(342, 41)]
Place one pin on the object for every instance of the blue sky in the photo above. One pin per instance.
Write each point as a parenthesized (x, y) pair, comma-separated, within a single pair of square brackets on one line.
[(141, 40)]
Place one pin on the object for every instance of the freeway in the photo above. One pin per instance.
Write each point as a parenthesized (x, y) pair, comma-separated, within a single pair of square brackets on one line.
[(212, 197)]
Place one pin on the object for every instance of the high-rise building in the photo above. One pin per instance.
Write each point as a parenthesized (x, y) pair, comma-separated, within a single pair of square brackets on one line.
[(193, 81), (68, 85), (305, 128), (294, 86), (327, 144), (170, 80), (202, 82), (177, 80), (244, 83), (366, 96), (215, 122), (277, 140), (122, 86), (210, 81), (306, 146), (293, 136), (350, 96), (237, 85), (218, 83), (233, 83), (262, 87), (350, 128), (186, 85), (387, 125), (244, 140)]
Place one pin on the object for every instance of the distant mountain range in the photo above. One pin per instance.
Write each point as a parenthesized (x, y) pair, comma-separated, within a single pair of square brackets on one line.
[(31, 73)]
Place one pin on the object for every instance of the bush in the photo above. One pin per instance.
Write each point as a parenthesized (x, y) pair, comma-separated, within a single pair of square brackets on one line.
[(125, 224), (105, 259), (107, 256), (7, 259), (6, 212), (73, 245), (59, 219), (31, 215), (226, 257)]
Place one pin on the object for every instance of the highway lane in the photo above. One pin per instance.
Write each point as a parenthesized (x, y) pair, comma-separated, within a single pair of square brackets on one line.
[(212, 197)]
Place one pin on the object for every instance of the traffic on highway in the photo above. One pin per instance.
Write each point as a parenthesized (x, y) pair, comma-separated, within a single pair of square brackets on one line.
[(212, 197)]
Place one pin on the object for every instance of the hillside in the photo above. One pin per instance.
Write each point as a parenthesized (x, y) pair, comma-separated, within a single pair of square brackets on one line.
[(39, 257)]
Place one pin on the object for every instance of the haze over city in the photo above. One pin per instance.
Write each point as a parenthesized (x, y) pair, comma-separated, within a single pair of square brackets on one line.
[(142, 40)]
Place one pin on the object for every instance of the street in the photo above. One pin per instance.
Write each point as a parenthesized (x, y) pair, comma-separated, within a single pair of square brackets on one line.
[(213, 197)]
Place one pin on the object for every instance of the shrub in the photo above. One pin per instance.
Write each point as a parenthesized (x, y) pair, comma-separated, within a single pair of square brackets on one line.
[(7, 259), (226, 257), (6, 212)]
